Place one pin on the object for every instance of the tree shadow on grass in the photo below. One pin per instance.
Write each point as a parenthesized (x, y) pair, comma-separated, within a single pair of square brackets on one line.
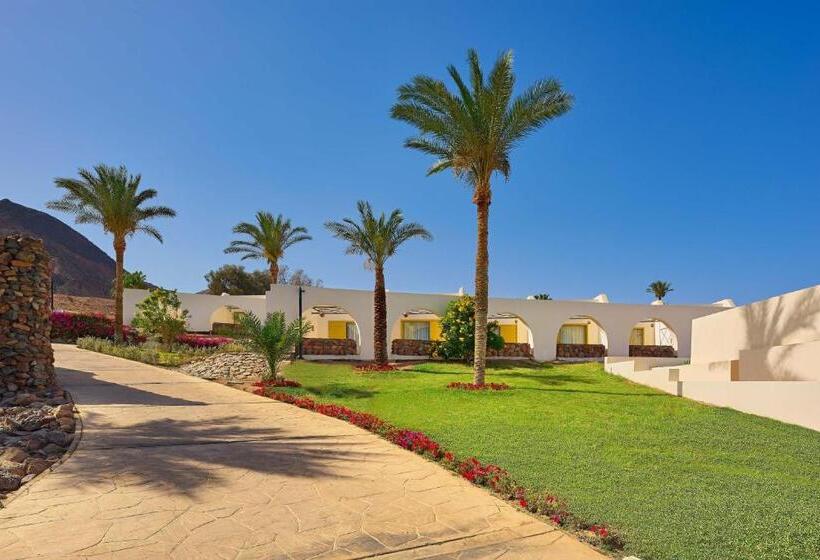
[(341, 392)]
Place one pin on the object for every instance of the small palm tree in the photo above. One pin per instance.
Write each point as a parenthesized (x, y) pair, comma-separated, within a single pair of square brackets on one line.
[(472, 132), (110, 196), (544, 297), (274, 338), (378, 239), (269, 238), (660, 289)]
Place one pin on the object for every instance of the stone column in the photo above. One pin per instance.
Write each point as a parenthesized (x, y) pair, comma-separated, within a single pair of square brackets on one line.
[(26, 358)]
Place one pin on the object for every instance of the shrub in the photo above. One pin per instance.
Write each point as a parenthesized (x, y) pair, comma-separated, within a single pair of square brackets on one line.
[(458, 331), (67, 326), (274, 338), (160, 315), (203, 341), (176, 354)]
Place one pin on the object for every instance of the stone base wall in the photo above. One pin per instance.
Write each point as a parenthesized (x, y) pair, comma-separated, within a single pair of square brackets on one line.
[(511, 350), (329, 347), (580, 351), (649, 351), (26, 358), (409, 347)]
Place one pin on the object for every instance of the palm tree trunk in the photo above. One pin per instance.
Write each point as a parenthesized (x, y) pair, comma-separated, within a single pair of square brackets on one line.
[(274, 272), (482, 259), (380, 318), (119, 252)]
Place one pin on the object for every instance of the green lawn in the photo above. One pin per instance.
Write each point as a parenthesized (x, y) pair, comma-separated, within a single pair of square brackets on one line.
[(678, 479)]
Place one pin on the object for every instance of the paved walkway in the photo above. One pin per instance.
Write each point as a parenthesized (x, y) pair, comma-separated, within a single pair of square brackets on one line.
[(171, 466)]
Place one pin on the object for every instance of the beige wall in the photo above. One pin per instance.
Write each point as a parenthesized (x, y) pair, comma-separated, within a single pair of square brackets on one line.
[(782, 320), (321, 324)]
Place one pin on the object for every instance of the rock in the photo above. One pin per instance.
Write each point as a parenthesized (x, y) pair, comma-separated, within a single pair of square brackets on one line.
[(27, 478), (35, 466), (64, 411), (53, 449), (17, 469), (242, 366), (13, 454), (66, 424), (58, 438), (9, 482)]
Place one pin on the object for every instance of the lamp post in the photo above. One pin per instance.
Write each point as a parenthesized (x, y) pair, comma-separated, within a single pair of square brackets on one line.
[(299, 350)]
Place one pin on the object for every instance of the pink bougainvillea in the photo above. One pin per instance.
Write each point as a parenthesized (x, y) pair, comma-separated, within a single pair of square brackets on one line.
[(67, 326), (483, 474), (203, 340)]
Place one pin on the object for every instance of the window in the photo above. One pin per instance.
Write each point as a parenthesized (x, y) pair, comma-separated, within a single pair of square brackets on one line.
[(572, 334), (350, 331), (636, 337), (416, 330)]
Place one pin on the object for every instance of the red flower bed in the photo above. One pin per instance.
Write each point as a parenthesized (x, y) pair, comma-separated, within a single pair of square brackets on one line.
[(67, 327), (274, 383), (203, 340), (375, 367), (487, 475), (475, 387)]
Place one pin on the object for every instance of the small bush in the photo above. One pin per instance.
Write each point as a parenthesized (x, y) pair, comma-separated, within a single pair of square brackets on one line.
[(160, 314), (173, 356), (203, 341), (67, 326), (458, 332)]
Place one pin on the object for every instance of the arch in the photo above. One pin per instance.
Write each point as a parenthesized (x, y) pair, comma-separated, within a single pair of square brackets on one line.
[(517, 334), (334, 333), (581, 338), (413, 333), (224, 320), (653, 338)]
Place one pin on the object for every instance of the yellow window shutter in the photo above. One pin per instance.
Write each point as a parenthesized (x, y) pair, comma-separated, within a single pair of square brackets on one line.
[(337, 329), (509, 332), (435, 330)]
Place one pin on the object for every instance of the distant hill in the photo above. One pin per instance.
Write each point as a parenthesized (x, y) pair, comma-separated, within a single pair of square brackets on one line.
[(80, 267)]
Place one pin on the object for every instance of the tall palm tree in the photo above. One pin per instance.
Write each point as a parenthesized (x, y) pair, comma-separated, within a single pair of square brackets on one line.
[(377, 238), (472, 132), (269, 238), (110, 196), (660, 289)]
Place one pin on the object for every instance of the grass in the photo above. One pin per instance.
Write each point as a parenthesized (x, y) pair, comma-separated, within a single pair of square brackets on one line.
[(676, 478)]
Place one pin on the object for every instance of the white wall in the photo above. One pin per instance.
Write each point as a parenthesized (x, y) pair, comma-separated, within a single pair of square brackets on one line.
[(543, 317)]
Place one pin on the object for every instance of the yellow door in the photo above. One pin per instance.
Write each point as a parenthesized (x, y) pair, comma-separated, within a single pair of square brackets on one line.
[(435, 330), (509, 332), (337, 329)]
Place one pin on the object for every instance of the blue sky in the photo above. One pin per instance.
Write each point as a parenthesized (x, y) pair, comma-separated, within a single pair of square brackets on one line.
[(692, 154)]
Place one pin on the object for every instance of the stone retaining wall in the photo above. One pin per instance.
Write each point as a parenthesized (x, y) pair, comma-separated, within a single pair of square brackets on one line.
[(26, 358), (241, 366), (328, 347), (580, 351), (410, 347), (649, 351), (511, 350)]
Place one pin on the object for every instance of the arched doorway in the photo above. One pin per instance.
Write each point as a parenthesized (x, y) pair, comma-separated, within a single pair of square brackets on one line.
[(653, 338), (581, 338), (334, 332), (414, 334), (224, 320), (517, 335)]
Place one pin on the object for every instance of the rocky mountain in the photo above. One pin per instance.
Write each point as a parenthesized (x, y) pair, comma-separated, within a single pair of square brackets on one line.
[(80, 267)]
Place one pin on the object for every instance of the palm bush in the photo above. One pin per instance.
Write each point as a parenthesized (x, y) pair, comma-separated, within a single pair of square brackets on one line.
[(660, 289), (274, 338), (110, 196), (472, 132)]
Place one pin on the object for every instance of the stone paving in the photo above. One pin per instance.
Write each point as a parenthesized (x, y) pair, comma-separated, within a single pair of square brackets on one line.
[(172, 466)]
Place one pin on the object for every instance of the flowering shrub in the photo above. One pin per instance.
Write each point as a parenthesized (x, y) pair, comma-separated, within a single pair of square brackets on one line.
[(68, 327), (481, 474), (474, 387), (203, 340), (278, 382), (375, 367)]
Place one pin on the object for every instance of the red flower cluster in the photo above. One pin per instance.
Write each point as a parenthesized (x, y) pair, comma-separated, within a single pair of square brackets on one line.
[(203, 340), (278, 382), (67, 327), (375, 367), (489, 475), (476, 387), (418, 442)]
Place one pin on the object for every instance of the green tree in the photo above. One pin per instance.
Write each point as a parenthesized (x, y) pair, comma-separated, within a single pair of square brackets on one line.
[(544, 297), (274, 338), (458, 331), (160, 314), (297, 278), (378, 239), (472, 132), (110, 196), (135, 280), (269, 239), (660, 289), (235, 280)]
